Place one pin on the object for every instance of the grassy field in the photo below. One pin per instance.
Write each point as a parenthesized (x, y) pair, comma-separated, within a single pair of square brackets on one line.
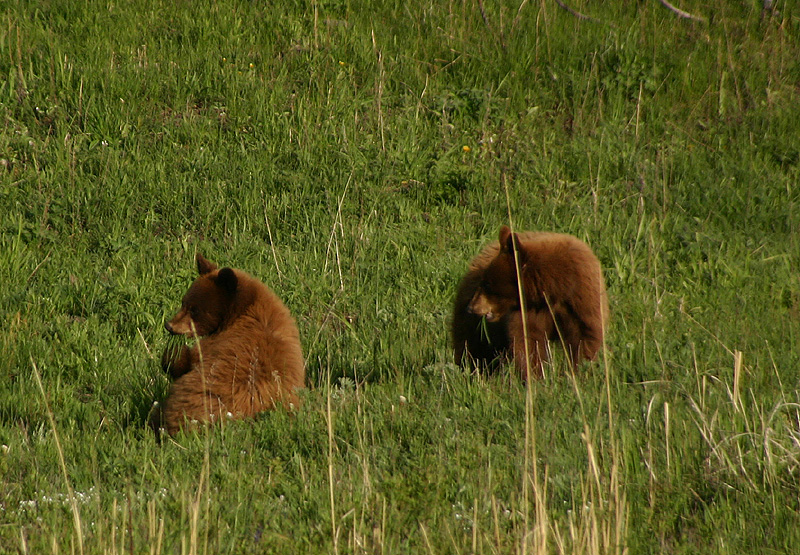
[(355, 156)]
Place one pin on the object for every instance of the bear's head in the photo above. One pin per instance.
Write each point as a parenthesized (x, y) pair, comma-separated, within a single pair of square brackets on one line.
[(207, 303), (497, 293)]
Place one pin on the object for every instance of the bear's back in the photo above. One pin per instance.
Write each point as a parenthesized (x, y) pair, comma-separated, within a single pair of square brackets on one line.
[(256, 358)]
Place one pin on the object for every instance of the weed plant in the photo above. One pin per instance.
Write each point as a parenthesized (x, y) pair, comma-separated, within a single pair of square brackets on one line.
[(355, 156)]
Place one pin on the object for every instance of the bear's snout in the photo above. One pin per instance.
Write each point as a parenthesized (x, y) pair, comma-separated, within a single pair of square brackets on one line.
[(479, 312), (479, 305), (183, 324)]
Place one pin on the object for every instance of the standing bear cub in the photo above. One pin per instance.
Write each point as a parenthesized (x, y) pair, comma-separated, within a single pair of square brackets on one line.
[(564, 300), (248, 359)]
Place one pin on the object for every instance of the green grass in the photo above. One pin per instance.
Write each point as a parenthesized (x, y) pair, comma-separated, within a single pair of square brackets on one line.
[(320, 147)]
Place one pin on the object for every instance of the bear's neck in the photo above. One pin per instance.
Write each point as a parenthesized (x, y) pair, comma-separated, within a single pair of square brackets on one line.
[(244, 299), (532, 288)]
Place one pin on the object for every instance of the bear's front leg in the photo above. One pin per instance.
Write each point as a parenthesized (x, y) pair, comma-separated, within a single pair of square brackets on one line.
[(529, 356), (176, 360)]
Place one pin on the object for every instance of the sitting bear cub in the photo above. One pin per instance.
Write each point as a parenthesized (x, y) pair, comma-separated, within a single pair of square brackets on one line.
[(248, 359), (564, 299)]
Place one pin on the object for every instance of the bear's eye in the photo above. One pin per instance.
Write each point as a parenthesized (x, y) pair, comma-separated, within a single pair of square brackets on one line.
[(486, 287)]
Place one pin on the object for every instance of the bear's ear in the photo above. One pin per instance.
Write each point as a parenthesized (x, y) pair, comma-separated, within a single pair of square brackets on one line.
[(505, 236), (509, 241), (204, 266), (226, 278)]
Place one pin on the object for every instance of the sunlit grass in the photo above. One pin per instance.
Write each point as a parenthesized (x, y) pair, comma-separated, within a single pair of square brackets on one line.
[(354, 157)]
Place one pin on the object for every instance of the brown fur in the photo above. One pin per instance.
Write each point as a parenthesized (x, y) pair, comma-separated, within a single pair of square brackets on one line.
[(564, 294), (248, 359)]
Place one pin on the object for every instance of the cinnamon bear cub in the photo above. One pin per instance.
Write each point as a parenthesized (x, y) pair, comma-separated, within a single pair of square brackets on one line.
[(248, 359), (564, 300)]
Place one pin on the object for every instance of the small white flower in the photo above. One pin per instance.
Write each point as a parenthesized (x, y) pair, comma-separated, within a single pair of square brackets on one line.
[(403, 400)]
